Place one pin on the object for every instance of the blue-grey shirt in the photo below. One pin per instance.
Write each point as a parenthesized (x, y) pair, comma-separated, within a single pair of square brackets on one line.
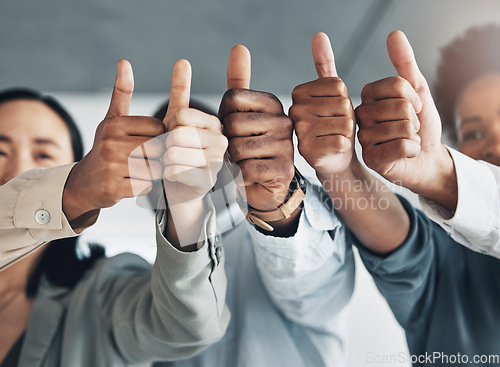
[(445, 296)]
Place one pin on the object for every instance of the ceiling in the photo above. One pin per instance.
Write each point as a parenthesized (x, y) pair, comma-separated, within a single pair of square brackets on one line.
[(70, 46)]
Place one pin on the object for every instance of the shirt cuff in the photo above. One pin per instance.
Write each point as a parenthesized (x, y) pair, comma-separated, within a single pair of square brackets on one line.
[(39, 205), (477, 206), (211, 251)]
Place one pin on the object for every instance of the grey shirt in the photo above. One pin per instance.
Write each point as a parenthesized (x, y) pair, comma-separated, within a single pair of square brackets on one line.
[(125, 311)]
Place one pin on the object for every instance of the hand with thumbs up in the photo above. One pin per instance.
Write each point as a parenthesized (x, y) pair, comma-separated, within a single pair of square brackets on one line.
[(323, 116), (195, 148), (325, 125), (400, 129), (195, 145), (124, 159), (260, 136)]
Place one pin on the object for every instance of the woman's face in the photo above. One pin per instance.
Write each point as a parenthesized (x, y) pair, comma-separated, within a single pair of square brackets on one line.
[(31, 136), (478, 119)]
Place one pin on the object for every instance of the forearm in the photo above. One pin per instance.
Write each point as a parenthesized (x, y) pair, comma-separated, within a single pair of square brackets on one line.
[(184, 224), (441, 184), (369, 208)]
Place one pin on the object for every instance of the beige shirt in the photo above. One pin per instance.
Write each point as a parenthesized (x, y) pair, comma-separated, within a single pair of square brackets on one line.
[(123, 311), (31, 213)]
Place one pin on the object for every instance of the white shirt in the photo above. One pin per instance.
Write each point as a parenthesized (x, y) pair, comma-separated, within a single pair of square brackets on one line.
[(476, 221)]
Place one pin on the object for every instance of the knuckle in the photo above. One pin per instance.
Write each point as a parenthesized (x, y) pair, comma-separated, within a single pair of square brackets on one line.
[(361, 113), (232, 94), (367, 91), (405, 108), (235, 149), (346, 124), (301, 127), (298, 111), (108, 149), (282, 124), (231, 123), (298, 92), (231, 99), (399, 85), (177, 136), (338, 84), (305, 130), (172, 155), (407, 129), (292, 111), (401, 147), (345, 105), (363, 137), (337, 142), (272, 99)]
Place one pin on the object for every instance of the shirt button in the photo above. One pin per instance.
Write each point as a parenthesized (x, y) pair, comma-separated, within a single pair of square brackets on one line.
[(42, 216)]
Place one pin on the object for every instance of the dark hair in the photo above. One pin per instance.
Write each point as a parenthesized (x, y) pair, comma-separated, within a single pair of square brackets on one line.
[(59, 262), (162, 110), (467, 57), (53, 104)]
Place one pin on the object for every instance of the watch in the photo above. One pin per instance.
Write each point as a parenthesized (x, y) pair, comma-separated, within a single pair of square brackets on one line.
[(296, 194)]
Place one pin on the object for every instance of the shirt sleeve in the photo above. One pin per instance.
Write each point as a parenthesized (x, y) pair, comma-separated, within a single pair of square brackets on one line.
[(407, 276), (31, 213), (172, 313), (310, 276), (476, 221)]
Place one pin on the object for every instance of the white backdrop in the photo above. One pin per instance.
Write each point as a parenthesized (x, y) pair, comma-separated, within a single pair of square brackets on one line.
[(374, 332)]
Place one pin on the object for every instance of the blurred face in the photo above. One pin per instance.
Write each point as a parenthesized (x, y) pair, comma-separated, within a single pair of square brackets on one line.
[(31, 136), (478, 119)]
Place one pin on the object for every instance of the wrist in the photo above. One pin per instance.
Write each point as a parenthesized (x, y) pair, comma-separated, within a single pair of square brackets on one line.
[(282, 221), (441, 184), (339, 181), (73, 201), (184, 224)]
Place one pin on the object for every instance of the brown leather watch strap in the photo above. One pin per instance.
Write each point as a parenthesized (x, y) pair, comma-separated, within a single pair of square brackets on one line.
[(284, 211)]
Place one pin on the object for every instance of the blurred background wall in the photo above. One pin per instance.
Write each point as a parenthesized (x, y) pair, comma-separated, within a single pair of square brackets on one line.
[(69, 46), (70, 49)]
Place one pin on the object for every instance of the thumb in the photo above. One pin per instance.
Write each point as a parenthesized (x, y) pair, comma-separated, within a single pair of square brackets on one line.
[(239, 68), (323, 56), (122, 92), (403, 59), (180, 88)]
